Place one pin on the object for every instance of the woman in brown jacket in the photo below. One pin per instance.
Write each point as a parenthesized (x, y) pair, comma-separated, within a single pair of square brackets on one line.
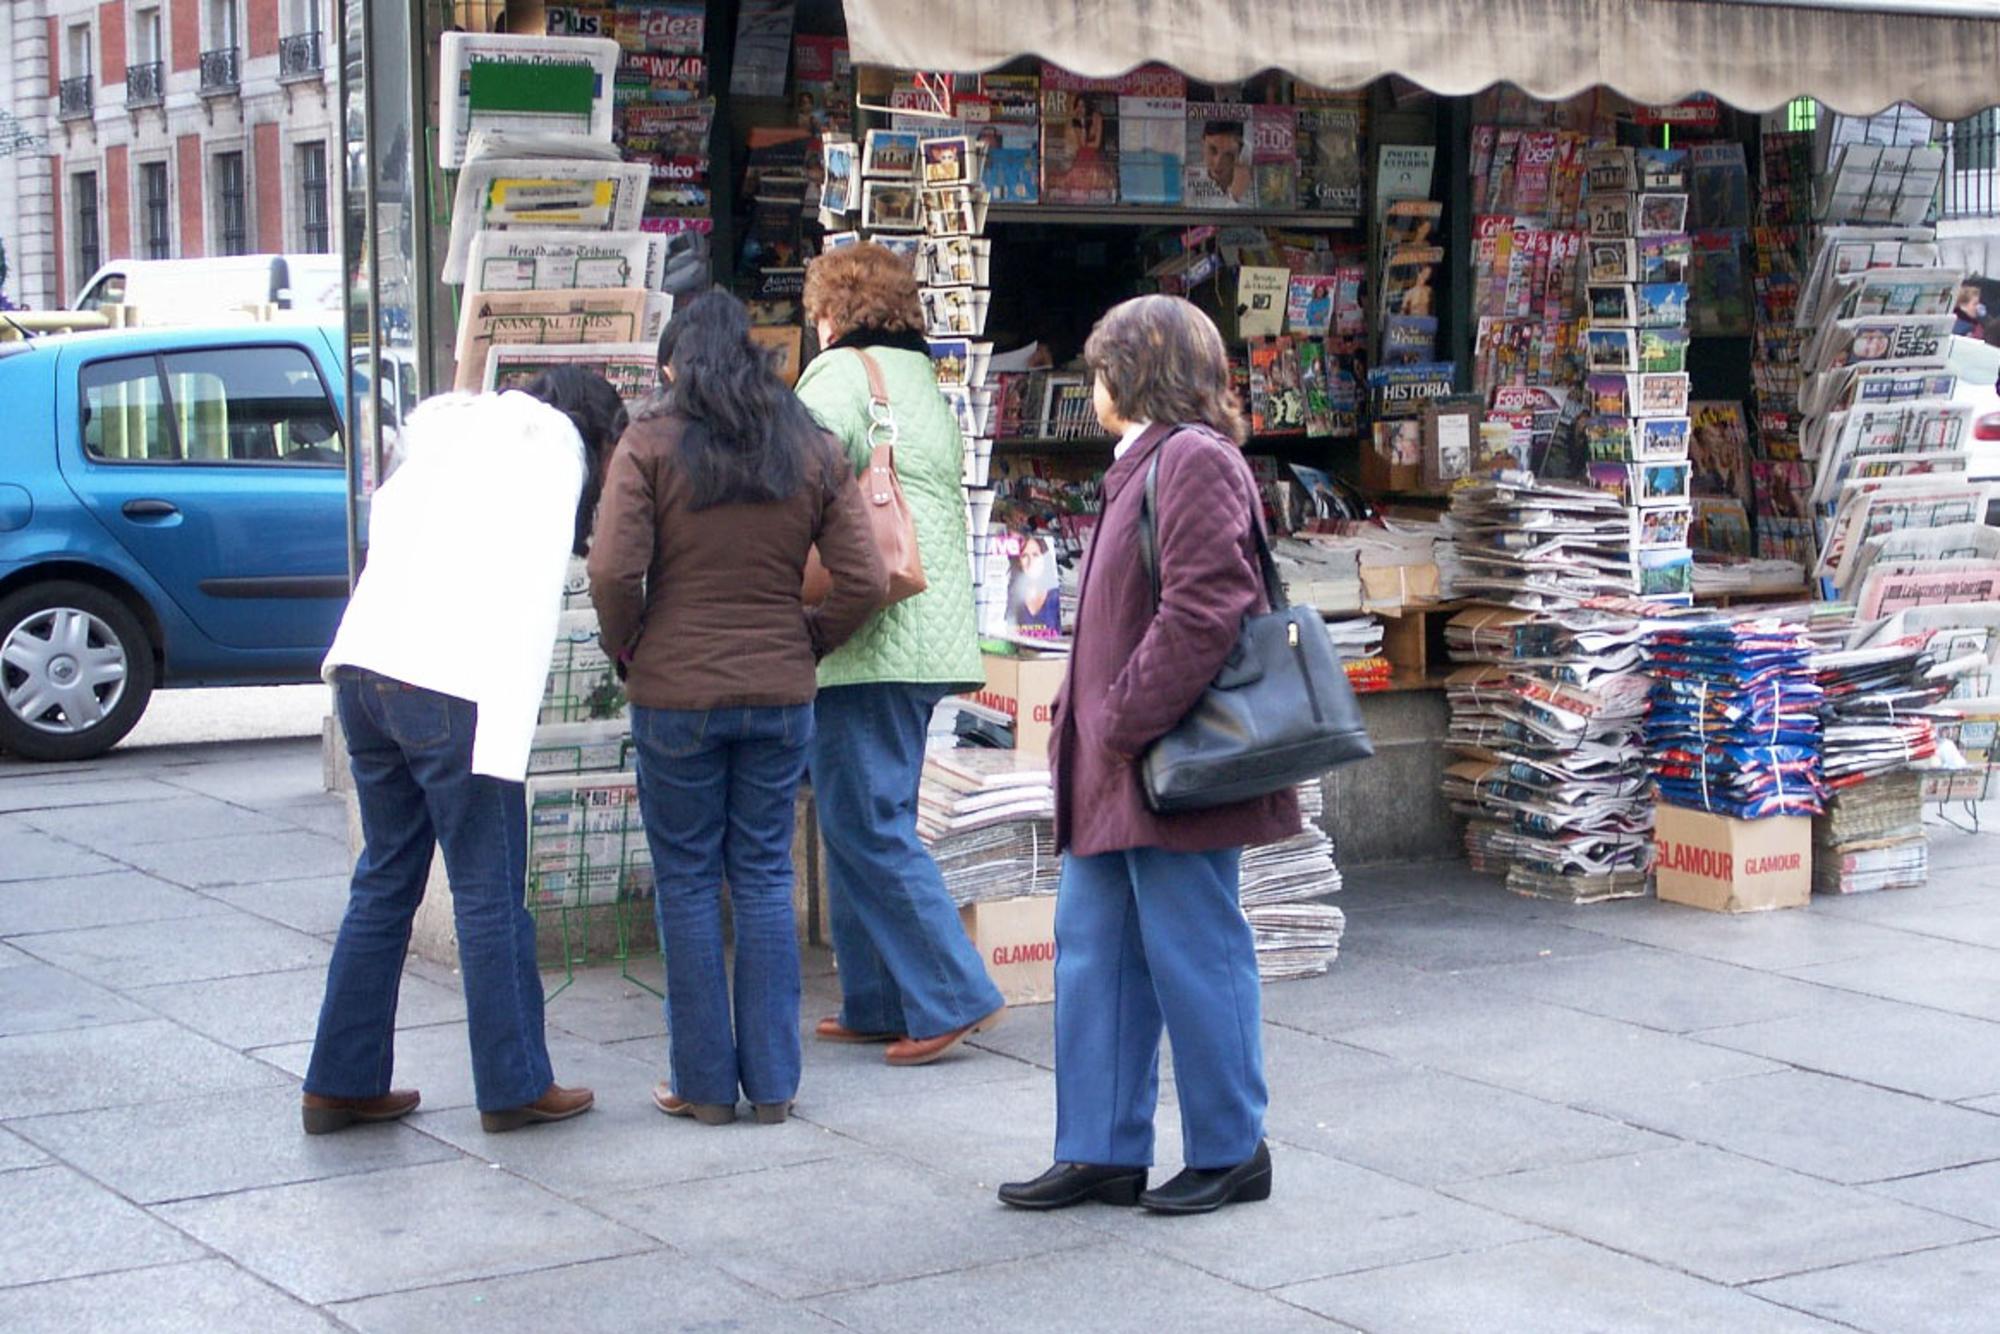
[(716, 493), (1149, 932)]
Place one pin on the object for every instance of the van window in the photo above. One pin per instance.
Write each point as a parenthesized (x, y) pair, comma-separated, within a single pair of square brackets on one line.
[(253, 405), (124, 412), (109, 291)]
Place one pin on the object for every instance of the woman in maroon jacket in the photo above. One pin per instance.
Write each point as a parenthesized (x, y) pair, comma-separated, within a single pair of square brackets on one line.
[(1149, 931)]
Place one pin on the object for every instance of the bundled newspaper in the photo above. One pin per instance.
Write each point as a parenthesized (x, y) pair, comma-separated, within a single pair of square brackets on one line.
[(1534, 545), (988, 818), (1880, 711), (1546, 723), (1872, 837), (1296, 936), (1735, 725)]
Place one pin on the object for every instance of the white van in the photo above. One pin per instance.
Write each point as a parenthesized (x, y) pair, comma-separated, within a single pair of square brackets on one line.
[(220, 288)]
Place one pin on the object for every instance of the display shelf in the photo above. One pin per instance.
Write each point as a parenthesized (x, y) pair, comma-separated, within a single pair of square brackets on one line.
[(1032, 444), (1141, 215)]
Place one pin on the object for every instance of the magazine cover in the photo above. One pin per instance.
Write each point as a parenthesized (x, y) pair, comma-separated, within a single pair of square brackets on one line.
[(1261, 295), (1409, 281), (1309, 303), (1719, 304), (1218, 156), (1329, 148), (1274, 157), (1719, 449), (1719, 179), (1721, 526), (1013, 173), (1079, 145), (1152, 140)]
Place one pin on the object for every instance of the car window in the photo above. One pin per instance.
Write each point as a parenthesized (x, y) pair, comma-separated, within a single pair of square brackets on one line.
[(110, 291), (124, 412), (252, 405)]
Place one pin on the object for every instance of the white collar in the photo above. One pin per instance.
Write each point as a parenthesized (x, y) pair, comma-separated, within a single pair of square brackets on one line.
[(1132, 432)]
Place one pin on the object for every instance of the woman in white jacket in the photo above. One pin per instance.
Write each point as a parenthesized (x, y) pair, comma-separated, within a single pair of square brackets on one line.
[(438, 672)]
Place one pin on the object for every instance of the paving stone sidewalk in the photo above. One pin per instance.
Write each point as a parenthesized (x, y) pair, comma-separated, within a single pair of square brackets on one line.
[(1494, 1114)]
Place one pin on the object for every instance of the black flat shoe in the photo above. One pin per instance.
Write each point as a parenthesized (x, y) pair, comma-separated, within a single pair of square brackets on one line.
[(1200, 1191), (1073, 1183)]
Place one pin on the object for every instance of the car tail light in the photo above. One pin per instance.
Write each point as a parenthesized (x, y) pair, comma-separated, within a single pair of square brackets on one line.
[(1986, 426)]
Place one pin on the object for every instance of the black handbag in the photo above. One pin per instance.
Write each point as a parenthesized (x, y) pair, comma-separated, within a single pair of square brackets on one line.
[(1280, 712)]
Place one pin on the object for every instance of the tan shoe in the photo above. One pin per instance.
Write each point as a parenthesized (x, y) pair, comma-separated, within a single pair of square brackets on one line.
[(323, 1116), (557, 1104), (922, 1051), (708, 1113), (830, 1029)]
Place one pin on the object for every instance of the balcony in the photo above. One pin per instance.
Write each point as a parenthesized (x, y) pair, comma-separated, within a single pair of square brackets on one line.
[(75, 98), (220, 74), (145, 85), (300, 57)]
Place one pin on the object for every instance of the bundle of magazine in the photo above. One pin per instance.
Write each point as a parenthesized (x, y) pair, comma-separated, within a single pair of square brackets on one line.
[(1872, 837), (1734, 726), (1546, 713)]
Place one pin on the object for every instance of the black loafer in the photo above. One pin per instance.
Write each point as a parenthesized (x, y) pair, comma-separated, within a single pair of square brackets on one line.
[(1202, 1190), (1073, 1183)]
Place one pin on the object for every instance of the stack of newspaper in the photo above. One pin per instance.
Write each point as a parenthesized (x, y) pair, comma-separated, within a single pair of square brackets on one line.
[(988, 817), (1296, 936), (1534, 545), (1872, 837), (1546, 718), (1320, 575), (1724, 574), (1735, 725)]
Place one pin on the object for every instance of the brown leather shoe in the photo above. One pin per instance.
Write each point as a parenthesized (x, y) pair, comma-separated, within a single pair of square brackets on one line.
[(708, 1113), (323, 1116), (830, 1029), (922, 1051), (557, 1104)]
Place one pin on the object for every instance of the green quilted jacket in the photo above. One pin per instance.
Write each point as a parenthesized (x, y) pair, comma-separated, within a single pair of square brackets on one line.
[(932, 638)]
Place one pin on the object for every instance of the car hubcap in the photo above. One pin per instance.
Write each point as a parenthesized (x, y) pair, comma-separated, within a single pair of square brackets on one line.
[(62, 670)]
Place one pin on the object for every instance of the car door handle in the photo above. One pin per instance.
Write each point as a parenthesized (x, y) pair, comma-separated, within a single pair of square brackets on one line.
[(149, 509)]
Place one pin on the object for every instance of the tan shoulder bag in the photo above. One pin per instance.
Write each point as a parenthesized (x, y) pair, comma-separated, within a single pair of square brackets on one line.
[(889, 520)]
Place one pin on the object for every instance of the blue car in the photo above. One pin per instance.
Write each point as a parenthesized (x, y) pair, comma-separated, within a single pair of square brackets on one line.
[(172, 513)]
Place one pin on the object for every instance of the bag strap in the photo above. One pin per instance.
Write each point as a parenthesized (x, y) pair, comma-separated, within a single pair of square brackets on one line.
[(878, 388), (1149, 543), (883, 432)]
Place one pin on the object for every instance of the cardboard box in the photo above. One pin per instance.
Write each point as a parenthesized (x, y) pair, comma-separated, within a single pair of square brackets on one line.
[(1017, 940), (1025, 690), (1728, 865)]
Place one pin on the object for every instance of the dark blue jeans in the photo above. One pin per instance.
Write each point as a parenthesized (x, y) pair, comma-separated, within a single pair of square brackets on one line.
[(718, 790), (906, 965), (411, 752)]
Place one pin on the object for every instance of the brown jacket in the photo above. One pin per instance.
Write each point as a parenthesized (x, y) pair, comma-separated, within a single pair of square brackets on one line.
[(1136, 670), (706, 603)]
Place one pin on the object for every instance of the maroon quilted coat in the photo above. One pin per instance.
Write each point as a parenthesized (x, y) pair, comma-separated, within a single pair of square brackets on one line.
[(1134, 673)]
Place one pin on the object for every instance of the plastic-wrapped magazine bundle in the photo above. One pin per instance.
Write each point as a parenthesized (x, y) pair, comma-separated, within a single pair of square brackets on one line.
[(1872, 837), (1735, 727), (1546, 721), (1295, 936)]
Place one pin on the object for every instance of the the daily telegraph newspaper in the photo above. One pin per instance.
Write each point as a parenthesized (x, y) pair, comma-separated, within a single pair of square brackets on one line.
[(472, 63)]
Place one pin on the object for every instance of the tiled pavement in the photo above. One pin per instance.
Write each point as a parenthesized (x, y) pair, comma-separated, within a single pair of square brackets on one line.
[(1494, 1114)]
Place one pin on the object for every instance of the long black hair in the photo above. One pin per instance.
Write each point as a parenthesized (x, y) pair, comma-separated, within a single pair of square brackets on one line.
[(747, 438), (598, 414)]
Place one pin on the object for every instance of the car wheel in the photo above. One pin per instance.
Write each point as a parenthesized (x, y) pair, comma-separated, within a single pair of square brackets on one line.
[(76, 670)]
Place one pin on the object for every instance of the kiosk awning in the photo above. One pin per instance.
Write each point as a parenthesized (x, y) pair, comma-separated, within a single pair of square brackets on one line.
[(1858, 57)]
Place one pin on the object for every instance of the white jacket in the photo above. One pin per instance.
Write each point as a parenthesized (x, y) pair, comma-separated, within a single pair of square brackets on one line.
[(468, 542)]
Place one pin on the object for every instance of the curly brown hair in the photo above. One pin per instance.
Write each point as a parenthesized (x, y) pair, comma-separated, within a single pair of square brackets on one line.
[(1163, 360), (864, 286)]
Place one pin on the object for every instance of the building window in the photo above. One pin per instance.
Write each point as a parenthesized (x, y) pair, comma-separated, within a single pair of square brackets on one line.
[(1801, 114), (79, 51), (1972, 143), (159, 237), (83, 200), (229, 216), (146, 35), (312, 199)]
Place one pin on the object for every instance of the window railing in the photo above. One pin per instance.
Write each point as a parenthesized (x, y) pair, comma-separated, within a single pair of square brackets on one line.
[(1971, 186), (219, 71), (145, 85), (299, 57), (75, 98)]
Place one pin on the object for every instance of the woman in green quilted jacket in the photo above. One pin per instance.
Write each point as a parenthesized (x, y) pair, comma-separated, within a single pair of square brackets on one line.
[(909, 976)]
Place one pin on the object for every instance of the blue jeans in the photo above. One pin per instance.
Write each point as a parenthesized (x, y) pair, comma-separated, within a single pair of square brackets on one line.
[(411, 752), (906, 965), (1144, 938), (718, 789)]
